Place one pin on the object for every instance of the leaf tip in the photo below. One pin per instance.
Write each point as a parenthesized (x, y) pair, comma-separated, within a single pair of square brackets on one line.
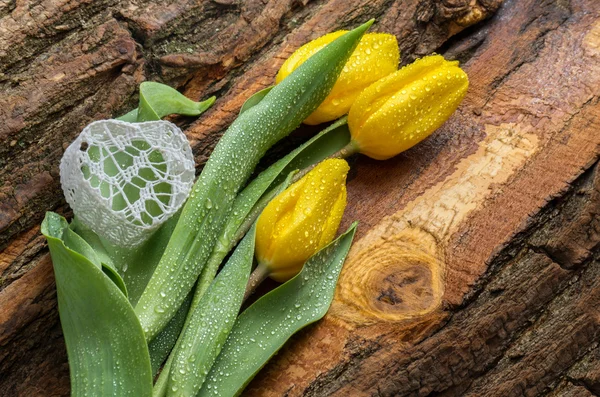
[(210, 100), (365, 26)]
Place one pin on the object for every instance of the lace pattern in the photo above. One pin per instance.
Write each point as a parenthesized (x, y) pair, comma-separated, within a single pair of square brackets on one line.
[(123, 180)]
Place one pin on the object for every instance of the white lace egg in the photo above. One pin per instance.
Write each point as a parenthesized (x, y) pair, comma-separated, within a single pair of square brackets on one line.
[(123, 180)]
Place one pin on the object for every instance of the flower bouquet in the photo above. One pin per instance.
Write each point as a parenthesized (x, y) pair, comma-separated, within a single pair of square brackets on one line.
[(153, 271)]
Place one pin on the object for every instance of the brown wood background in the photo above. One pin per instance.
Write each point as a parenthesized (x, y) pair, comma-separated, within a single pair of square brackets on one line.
[(476, 267)]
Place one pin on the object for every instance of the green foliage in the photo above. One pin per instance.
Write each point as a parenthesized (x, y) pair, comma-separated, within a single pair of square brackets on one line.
[(210, 322), (159, 100), (229, 166), (105, 343), (123, 309), (263, 328)]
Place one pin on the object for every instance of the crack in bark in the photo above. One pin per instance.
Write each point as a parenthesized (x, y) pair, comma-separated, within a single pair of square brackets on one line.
[(583, 384), (537, 45)]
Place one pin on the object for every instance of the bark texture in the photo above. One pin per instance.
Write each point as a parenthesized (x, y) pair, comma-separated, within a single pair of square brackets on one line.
[(476, 270)]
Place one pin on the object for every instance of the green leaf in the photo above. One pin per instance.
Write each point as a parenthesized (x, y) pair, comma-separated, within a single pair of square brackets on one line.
[(130, 117), (159, 100), (255, 99), (263, 328), (142, 262), (227, 170), (249, 204), (208, 325), (137, 265), (105, 343), (75, 242), (252, 200), (163, 344), (90, 245)]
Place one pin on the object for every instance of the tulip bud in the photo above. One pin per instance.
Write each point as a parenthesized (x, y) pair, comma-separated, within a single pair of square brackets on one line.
[(301, 220), (402, 109), (376, 56)]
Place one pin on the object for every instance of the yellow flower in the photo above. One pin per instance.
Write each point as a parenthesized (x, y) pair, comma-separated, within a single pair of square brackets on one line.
[(301, 220), (402, 109), (376, 56)]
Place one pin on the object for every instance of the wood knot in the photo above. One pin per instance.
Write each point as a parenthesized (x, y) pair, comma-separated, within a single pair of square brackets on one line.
[(395, 279)]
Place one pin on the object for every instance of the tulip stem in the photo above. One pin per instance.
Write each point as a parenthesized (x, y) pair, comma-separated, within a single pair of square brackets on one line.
[(345, 152), (258, 276)]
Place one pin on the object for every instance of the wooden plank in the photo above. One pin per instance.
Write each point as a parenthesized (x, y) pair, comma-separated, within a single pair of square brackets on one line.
[(474, 270), (407, 293)]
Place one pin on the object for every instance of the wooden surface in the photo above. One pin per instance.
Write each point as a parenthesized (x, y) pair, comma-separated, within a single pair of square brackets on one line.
[(476, 271)]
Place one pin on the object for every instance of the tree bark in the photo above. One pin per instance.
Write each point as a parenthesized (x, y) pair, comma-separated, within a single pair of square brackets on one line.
[(475, 271)]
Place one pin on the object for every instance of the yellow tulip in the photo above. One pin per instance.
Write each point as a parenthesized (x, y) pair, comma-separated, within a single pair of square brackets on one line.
[(301, 220), (400, 110), (376, 56)]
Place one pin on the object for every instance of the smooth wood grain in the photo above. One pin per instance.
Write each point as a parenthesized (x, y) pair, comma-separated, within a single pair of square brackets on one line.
[(475, 269)]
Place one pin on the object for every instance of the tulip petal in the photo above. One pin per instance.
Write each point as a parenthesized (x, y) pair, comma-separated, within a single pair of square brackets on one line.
[(271, 225), (305, 52), (376, 56), (301, 219), (335, 217), (400, 110)]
